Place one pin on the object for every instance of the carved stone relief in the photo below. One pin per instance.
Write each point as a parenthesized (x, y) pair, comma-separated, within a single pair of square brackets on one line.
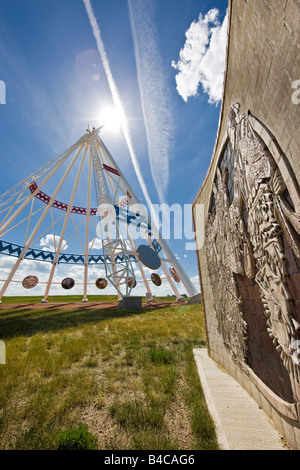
[(253, 247), (224, 258)]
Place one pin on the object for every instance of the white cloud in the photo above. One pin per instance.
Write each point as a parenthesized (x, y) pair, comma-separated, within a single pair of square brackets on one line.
[(96, 244), (42, 270), (202, 59), (47, 242), (195, 280), (26, 268)]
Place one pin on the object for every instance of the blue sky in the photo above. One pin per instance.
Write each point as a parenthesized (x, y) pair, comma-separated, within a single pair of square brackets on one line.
[(56, 84)]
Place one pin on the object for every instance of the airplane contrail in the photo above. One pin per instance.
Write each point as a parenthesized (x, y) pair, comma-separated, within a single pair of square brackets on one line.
[(116, 98), (156, 103)]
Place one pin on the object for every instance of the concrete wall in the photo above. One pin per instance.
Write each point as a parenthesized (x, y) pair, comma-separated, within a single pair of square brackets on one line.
[(262, 64)]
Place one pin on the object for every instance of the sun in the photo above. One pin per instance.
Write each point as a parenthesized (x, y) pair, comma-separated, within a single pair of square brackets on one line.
[(112, 119)]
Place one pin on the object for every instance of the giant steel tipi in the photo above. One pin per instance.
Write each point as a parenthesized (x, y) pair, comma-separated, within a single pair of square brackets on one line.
[(110, 213)]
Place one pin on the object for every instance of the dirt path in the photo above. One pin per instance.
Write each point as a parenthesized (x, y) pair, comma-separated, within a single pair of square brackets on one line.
[(84, 305)]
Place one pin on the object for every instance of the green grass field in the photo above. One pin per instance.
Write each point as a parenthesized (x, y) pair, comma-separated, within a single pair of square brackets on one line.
[(102, 378)]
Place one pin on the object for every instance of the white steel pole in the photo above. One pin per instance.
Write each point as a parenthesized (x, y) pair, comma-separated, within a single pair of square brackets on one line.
[(64, 227), (165, 270), (98, 154), (37, 226), (13, 205), (140, 264), (32, 195), (29, 220), (168, 252), (87, 228)]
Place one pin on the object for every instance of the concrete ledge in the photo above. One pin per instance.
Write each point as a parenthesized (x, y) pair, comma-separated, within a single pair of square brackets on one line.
[(240, 423), (130, 302), (286, 409), (196, 299)]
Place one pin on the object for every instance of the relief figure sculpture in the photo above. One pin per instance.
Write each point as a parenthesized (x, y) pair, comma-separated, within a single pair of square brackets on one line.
[(256, 240)]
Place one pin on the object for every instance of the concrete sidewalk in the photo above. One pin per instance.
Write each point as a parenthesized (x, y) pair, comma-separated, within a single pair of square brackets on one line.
[(240, 423)]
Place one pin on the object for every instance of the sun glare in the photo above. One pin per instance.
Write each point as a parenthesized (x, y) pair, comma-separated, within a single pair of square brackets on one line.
[(112, 119)]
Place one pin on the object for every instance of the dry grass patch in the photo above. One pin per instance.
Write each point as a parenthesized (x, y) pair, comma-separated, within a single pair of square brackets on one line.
[(129, 376)]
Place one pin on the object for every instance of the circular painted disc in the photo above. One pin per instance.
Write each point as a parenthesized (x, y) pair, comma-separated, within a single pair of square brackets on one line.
[(155, 278), (149, 257), (101, 283), (68, 283), (29, 282), (131, 281), (174, 275)]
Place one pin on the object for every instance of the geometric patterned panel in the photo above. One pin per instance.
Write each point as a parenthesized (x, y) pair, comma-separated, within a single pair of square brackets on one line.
[(12, 249)]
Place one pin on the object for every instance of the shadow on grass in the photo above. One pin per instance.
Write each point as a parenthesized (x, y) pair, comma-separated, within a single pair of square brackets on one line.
[(26, 321)]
